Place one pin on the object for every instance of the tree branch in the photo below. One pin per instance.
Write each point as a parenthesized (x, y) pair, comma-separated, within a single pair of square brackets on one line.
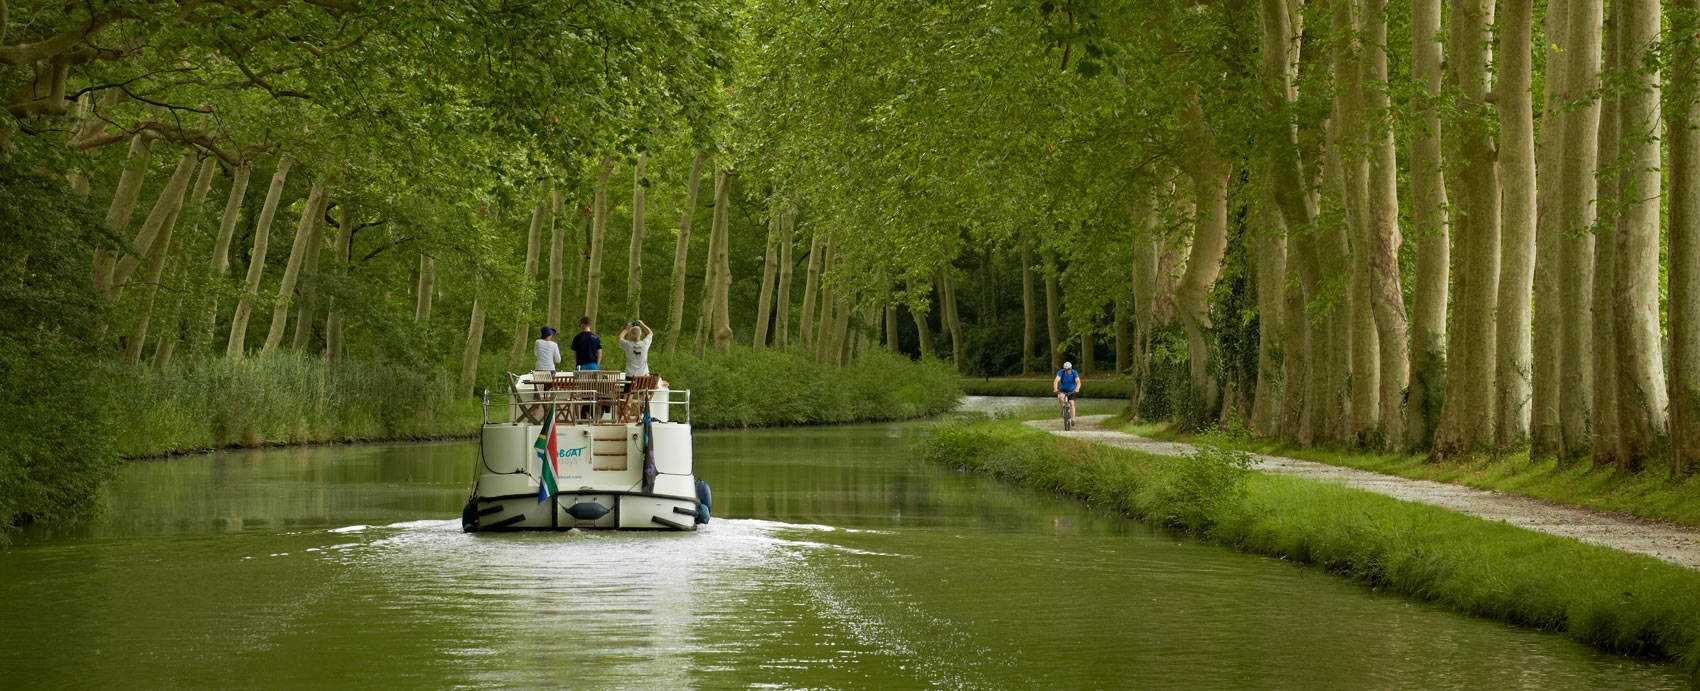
[(52, 47)]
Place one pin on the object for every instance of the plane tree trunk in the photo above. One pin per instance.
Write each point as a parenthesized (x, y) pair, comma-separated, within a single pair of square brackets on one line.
[(305, 232), (235, 347)]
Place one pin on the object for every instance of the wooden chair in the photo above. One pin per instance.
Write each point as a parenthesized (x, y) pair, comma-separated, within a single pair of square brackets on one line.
[(610, 392), (532, 405), (638, 394)]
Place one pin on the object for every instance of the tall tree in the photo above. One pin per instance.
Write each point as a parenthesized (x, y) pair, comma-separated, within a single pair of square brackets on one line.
[(782, 317), (1605, 439), (1546, 433), (1029, 318), (1512, 370), (558, 230), (681, 252), (598, 235), (1466, 416), (769, 267), (342, 246), (1683, 116), (1642, 416), (533, 251), (634, 257), (220, 263), (722, 261), (1582, 126), (305, 234), (811, 286), (1431, 229), (257, 260)]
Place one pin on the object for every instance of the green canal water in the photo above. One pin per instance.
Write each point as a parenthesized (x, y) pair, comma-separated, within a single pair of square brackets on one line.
[(834, 561)]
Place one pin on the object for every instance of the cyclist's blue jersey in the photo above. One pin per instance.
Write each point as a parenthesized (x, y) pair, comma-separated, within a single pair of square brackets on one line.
[(1070, 380)]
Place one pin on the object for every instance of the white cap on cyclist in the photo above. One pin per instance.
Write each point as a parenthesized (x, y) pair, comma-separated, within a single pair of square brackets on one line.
[(1068, 365)]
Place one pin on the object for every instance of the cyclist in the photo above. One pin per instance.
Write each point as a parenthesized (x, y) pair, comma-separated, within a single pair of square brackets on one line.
[(1066, 386)]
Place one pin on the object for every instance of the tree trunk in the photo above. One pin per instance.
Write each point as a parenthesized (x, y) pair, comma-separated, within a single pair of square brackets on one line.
[(1642, 416), (1545, 432), (1204, 264), (558, 230), (890, 310), (947, 312), (1605, 437), (1386, 292), (828, 299), (426, 288), (811, 286), (840, 333), (166, 344), (1121, 337), (124, 199), (257, 260), (711, 270), (1684, 115), (344, 237), (305, 232), (533, 254), (1053, 312), (1467, 415), (923, 332), (308, 315), (769, 267), (598, 235), (1270, 265), (165, 210), (1350, 136), (1088, 354), (681, 252), (1295, 346), (722, 261), (220, 263), (1513, 370), (634, 258), (1145, 254), (159, 248), (1030, 321), (469, 356), (1581, 128), (782, 316), (1429, 220)]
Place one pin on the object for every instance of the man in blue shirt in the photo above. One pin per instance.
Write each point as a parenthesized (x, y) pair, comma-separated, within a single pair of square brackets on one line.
[(587, 348), (1066, 385)]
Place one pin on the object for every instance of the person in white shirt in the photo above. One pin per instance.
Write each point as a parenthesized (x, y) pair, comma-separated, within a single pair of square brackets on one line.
[(548, 351), (637, 350)]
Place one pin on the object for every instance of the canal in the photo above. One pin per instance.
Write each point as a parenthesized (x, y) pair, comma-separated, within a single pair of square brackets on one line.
[(834, 560)]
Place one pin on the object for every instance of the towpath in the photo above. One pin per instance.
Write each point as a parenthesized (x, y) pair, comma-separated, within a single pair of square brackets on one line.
[(1673, 543)]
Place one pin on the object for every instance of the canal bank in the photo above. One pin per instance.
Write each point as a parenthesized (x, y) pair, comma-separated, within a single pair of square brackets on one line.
[(1616, 601)]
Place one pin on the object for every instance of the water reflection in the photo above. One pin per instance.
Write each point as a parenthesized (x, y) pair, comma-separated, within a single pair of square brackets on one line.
[(835, 561)]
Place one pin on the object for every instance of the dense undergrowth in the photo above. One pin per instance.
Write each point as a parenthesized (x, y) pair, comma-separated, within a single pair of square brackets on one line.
[(1092, 388), (1649, 493), (750, 388), (1613, 600)]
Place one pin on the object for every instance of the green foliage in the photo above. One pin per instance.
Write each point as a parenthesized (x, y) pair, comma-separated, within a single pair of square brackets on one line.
[(282, 399), (1606, 598), (748, 388), (1094, 387), (1209, 483), (53, 405)]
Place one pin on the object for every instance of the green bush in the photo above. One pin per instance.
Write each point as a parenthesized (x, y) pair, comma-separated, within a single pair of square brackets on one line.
[(281, 399), (1094, 387), (1614, 600), (749, 388)]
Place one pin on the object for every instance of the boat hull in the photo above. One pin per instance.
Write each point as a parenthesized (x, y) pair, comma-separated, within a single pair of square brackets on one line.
[(601, 479)]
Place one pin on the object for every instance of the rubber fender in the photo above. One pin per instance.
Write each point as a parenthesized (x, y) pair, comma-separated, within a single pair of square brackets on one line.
[(702, 514), (469, 517), (587, 511), (704, 497)]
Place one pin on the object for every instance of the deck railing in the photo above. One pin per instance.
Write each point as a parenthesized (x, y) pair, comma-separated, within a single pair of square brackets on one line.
[(585, 406)]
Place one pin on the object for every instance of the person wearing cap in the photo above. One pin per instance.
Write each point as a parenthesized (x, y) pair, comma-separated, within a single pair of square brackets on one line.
[(1066, 386), (547, 350), (637, 348)]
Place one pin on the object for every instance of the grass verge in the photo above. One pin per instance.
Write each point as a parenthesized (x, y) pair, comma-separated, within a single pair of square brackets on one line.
[(1649, 493), (1621, 602), (1091, 388), (765, 388)]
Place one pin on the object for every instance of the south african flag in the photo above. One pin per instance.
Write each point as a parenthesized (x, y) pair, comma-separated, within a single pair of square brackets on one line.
[(548, 482)]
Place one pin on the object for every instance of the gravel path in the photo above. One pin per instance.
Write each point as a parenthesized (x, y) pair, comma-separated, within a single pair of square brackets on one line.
[(1673, 543)]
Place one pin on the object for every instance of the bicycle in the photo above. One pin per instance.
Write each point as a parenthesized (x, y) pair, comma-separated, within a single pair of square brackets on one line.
[(1067, 412)]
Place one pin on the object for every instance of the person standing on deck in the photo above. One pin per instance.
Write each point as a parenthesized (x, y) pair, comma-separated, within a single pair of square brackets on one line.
[(587, 348), (637, 349), (548, 352)]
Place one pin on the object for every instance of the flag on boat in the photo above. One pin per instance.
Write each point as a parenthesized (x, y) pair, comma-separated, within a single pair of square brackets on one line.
[(548, 479)]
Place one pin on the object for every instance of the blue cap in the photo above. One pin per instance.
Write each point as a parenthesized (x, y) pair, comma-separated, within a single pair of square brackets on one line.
[(547, 332)]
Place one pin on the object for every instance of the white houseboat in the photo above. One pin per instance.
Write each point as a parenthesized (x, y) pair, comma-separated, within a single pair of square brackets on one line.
[(586, 449)]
